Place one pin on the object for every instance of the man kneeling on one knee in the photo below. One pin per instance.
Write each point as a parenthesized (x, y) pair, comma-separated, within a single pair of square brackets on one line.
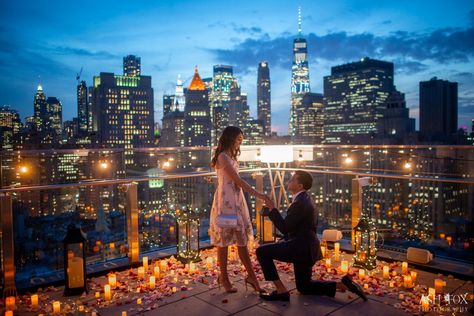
[(300, 246)]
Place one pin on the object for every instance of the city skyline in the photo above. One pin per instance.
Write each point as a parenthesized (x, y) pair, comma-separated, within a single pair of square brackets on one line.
[(172, 38)]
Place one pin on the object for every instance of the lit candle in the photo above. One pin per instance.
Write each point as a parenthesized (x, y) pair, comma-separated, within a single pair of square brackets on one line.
[(186, 282), (139, 301), (407, 282), (152, 282), (361, 273), (328, 262), (156, 272), (81, 308), (394, 273), (93, 314), (442, 235), (34, 301), (8, 313), (174, 289), (145, 263), (386, 274), (10, 303), (175, 280), (323, 251), (107, 293), (413, 276), (425, 304), (97, 294), (56, 307), (366, 286), (124, 313), (336, 251), (112, 280), (439, 285), (192, 267), (344, 266), (141, 272), (404, 267), (392, 284), (431, 292)]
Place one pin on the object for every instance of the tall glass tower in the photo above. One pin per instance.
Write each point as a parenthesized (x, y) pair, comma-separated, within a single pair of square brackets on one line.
[(299, 76), (263, 97), (82, 108)]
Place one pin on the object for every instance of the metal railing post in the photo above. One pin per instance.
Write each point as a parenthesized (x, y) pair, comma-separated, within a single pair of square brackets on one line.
[(8, 254), (357, 185)]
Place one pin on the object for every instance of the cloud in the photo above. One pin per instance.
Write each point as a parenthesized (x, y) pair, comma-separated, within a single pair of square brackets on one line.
[(65, 50), (464, 74), (412, 49), (247, 30)]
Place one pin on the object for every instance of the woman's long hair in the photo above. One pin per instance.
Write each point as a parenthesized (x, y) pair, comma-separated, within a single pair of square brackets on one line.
[(226, 142)]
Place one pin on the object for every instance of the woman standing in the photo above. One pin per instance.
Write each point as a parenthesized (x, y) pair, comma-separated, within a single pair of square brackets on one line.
[(229, 200)]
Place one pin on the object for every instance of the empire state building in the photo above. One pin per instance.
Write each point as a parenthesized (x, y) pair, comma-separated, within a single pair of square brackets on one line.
[(299, 76)]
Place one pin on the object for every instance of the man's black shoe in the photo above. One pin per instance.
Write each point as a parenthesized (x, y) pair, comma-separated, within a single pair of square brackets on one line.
[(353, 287), (275, 296)]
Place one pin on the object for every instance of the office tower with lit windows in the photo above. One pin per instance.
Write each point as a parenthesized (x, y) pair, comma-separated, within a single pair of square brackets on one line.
[(123, 112), (131, 66), (39, 108), (82, 108), (53, 118), (299, 76), (264, 108), (310, 119), (168, 103), (238, 107), (438, 103), (355, 99), (396, 123), (179, 98), (197, 119), (254, 132), (222, 80)]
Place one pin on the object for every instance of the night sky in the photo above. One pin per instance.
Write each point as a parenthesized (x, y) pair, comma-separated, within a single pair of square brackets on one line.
[(48, 42)]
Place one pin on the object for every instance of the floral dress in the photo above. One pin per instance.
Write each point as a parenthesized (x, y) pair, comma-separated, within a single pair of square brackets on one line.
[(229, 199)]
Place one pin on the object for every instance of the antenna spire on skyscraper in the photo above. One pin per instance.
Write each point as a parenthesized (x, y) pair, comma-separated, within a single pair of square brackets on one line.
[(299, 21)]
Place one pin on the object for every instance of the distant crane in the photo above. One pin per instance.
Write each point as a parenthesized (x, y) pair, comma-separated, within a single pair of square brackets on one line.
[(78, 76)]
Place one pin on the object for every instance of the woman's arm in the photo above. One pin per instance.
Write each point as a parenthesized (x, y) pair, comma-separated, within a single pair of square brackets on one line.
[(226, 165)]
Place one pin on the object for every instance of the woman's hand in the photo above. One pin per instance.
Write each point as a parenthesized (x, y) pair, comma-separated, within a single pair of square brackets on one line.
[(269, 202)]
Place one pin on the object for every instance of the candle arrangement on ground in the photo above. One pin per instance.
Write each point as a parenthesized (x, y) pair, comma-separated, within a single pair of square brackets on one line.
[(140, 290)]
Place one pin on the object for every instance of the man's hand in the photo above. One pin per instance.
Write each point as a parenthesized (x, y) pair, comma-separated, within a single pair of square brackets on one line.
[(265, 211), (269, 203)]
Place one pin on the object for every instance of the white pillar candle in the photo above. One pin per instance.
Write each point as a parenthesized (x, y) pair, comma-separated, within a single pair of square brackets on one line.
[(361, 273), (328, 262), (139, 301), (413, 276), (386, 274), (152, 282), (407, 282), (9, 313), (404, 267), (145, 263), (156, 272), (107, 292), (56, 307), (141, 272), (34, 301), (174, 289), (163, 265), (439, 284), (124, 313), (209, 262), (344, 266), (192, 267), (336, 251), (186, 282), (112, 280)]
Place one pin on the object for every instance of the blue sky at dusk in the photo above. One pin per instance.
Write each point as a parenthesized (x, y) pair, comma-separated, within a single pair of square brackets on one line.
[(48, 42)]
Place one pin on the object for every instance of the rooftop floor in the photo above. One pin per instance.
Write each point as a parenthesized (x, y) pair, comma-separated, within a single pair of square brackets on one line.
[(202, 296)]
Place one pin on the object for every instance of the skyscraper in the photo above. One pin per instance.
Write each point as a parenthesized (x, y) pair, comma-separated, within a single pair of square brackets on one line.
[(299, 75), (439, 105), (179, 98), (396, 123), (82, 108), (238, 107), (39, 108), (197, 119), (264, 107), (355, 99), (123, 111), (168, 103), (310, 119), (222, 80), (131, 66), (53, 117)]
